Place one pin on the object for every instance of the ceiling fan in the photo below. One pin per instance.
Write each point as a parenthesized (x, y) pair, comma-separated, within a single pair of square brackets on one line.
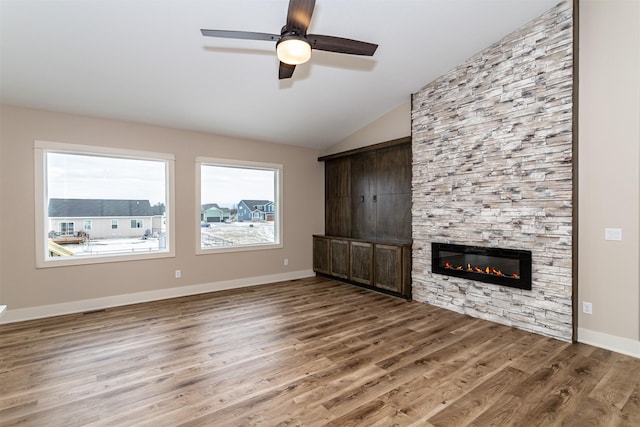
[(293, 44)]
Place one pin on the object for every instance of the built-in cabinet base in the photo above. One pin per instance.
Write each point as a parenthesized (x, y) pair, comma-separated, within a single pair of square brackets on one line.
[(382, 266)]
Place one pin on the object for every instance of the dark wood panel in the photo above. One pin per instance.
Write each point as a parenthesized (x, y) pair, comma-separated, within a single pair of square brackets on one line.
[(337, 178), (363, 202), (393, 170), (393, 217), (387, 271), (321, 251), (338, 217), (340, 258), (307, 352), (361, 262)]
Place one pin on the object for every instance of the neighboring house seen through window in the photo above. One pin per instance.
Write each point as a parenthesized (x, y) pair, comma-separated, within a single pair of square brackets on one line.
[(97, 187), (239, 205)]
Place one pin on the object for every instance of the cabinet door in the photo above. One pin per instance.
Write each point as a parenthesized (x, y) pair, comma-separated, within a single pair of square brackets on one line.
[(361, 262), (388, 267), (393, 188), (393, 217), (340, 258), (363, 196), (321, 255), (394, 170), (337, 197)]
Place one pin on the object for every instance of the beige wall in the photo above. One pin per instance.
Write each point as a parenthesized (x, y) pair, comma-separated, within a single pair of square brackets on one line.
[(393, 125), (22, 285), (609, 164)]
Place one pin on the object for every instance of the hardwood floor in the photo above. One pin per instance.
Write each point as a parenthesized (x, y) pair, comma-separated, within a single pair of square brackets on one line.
[(307, 352)]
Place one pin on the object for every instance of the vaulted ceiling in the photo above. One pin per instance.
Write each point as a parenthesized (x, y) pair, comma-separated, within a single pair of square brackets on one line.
[(146, 61)]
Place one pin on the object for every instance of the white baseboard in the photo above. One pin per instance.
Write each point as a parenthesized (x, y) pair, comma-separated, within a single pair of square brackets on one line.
[(39, 312), (610, 342)]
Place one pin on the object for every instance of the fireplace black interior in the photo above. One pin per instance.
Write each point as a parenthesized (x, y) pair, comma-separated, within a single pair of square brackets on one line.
[(506, 267)]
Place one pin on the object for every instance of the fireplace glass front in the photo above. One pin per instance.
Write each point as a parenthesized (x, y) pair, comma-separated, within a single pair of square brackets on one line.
[(506, 267)]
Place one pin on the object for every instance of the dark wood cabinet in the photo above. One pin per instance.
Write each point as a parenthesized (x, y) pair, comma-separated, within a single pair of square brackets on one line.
[(368, 194), (368, 218), (385, 267)]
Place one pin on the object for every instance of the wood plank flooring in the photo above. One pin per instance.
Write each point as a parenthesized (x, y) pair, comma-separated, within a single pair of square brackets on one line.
[(308, 352)]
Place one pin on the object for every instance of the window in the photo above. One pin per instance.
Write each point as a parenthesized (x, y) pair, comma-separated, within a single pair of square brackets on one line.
[(66, 228), (98, 187), (241, 204)]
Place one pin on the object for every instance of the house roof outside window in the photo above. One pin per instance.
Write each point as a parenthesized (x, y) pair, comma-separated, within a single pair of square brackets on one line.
[(75, 208)]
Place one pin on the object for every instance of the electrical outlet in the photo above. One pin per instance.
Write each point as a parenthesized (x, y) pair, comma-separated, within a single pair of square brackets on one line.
[(178, 274), (613, 234), (286, 261), (587, 307)]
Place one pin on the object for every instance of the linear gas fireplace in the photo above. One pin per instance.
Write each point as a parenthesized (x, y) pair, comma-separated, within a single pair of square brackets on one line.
[(506, 267)]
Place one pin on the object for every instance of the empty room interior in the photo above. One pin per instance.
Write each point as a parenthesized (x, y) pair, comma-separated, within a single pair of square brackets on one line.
[(299, 212)]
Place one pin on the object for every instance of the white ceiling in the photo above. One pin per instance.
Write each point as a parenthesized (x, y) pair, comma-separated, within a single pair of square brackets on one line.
[(146, 61)]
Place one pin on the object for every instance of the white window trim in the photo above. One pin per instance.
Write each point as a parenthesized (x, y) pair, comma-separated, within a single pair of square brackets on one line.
[(40, 150), (277, 202)]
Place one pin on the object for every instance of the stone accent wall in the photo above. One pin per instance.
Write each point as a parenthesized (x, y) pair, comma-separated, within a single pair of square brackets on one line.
[(492, 166)]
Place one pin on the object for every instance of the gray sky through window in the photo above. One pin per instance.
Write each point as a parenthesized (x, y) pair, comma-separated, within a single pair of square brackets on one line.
[(77, 176), (226, 186)]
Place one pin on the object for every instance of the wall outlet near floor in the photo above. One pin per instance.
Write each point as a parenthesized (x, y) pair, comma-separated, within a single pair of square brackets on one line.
[(587, 307), (286, 261), (178, 274)]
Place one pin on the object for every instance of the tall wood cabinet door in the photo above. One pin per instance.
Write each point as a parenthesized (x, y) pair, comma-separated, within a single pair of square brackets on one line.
[(393, 217), (340, 258), (387, 267), (338, 217), (393, 188), (321, 258), (361, 262), (394, 170), (363, 196), (338, 197)]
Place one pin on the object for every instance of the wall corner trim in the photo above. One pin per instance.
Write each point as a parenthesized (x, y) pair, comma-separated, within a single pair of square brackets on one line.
[(609, 342), (39, 312)]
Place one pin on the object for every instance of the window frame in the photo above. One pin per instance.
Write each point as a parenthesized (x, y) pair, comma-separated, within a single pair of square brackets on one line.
[(41, 148), (277, 202)]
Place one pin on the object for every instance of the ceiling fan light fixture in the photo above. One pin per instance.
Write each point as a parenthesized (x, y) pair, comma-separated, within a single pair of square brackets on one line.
[(293, 50)]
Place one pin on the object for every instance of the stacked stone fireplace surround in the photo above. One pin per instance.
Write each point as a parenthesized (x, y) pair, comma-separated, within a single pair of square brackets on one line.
[(492, 166)]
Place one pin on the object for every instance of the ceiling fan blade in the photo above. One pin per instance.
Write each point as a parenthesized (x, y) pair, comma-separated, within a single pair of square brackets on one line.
[(341, 45), (286, 71), (247, 35), (299, 15)]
